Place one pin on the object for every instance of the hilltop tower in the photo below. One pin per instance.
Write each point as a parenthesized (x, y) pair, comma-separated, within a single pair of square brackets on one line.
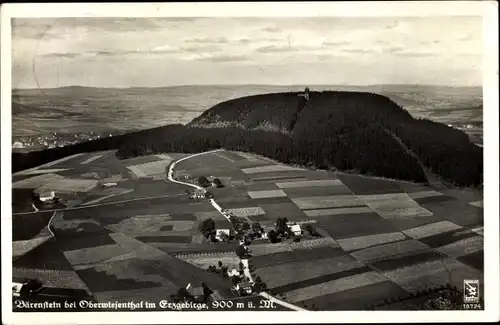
[(305, 94)]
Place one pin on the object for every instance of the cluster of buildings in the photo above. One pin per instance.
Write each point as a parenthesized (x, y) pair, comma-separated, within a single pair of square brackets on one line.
[(199, 194), (52, 140), (245, 285)]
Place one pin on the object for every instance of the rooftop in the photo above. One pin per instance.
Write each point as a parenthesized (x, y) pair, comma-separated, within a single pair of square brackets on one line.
[(195, 291)]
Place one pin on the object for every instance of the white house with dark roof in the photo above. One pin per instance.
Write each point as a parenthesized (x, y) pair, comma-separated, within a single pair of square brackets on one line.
[(233, 272), (219, 233), (296, 230), (43, 194), (245, 286)]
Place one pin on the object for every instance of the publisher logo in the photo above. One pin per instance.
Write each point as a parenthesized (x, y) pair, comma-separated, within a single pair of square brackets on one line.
[(471, 291)]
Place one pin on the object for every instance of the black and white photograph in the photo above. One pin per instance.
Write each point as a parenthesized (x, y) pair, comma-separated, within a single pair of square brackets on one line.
[(177, 157)]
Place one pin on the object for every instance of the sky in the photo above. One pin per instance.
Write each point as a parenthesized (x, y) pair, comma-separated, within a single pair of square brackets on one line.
[(158, 52)]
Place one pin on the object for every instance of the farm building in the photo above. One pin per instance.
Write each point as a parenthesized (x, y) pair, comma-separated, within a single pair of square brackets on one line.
[(108, 185), (195, 291), (45, 196), (245, 286), (295, 229), (25, 287), (220, 232), (198, 194)]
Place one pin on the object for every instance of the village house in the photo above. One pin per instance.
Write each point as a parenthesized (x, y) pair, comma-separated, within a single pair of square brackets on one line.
[(196, 292), (233, 272), (245, 287), (25, 287), (295, 229), (47, 196), (44, 195), (219, 233), (198, 194), (109, 185)]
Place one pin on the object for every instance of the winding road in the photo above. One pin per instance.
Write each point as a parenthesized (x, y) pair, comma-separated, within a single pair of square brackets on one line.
[(218, 208)]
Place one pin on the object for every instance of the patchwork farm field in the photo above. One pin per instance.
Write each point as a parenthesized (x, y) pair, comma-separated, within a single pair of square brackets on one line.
[(375, 239), (280, 275), (266, 260), (371, 220), (356, 298)]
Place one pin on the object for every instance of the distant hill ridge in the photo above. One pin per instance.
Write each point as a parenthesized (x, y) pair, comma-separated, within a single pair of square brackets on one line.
[(350, 131)]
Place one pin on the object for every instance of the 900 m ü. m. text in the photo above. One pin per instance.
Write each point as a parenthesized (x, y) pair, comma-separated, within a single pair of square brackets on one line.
[(228, 304)]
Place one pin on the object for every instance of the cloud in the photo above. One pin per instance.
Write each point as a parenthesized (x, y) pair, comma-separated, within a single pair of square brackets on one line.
[(116, 53), (56, 28), (393, 49), (67, 55), (227, 58), (243, 40), (180, 49), (334, 43), (418, 54), (358, 51), (429, 42), (200, 48), (392, 25), (211, 57), (218, 40), (276, 49), (271, 29), (105, 53), (164, 49)]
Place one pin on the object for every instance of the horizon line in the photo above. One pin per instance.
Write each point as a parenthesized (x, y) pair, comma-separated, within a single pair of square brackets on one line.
[(253, 84)]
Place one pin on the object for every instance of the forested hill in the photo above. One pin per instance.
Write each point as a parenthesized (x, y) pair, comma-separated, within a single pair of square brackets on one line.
[(349, 131), (356, 131)]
